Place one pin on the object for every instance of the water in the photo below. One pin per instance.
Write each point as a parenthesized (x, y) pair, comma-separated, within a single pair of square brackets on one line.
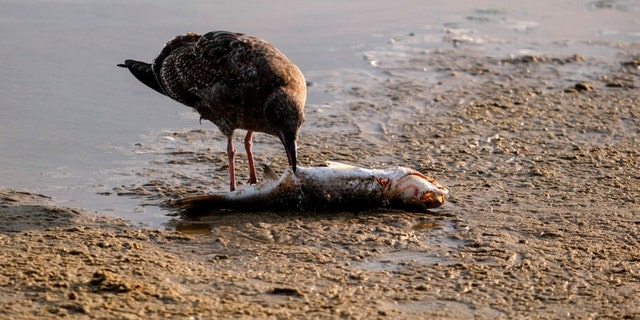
[(71, 119)]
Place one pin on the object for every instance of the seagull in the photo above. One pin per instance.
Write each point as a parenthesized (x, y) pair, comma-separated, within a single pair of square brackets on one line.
[(234, 80)]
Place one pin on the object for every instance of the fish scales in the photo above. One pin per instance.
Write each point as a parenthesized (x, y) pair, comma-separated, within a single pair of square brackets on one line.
[(331, 188)]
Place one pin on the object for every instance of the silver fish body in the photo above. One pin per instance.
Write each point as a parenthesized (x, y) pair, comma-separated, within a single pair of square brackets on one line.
[(331, 188)]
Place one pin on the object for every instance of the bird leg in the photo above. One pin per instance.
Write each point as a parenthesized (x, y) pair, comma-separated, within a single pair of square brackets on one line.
[(248, 143), (231, 152)]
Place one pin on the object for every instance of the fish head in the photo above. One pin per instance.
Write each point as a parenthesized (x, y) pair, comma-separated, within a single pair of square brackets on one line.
[(414, 190)]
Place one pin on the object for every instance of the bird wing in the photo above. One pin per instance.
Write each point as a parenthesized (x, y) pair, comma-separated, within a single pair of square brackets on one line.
[(176, 70), (221, 73), (240, 60), (234, 64)]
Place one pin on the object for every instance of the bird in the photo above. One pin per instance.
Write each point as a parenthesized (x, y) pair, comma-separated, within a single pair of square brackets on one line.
[(234, 80)]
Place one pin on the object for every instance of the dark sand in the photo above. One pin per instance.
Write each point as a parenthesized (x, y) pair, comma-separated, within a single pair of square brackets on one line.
[(541, 154)]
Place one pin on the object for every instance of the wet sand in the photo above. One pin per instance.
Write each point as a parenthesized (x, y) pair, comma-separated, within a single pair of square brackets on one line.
[(540, 153)]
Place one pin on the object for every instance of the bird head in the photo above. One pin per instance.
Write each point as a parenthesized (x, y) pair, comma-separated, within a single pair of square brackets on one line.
[(285, 114)]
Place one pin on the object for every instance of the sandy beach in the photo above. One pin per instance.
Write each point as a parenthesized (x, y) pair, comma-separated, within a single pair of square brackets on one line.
[(540, 153)]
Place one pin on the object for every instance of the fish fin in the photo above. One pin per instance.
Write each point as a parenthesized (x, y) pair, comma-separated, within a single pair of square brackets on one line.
[(339, 165), (269, 174)]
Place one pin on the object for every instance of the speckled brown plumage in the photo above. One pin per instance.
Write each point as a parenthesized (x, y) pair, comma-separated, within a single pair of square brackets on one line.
[(234, 80)]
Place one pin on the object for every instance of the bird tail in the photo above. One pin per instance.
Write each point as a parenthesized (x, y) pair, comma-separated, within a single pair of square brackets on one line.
[(143, 72)]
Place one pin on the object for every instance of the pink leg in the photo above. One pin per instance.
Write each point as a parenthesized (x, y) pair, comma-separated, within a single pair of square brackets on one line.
[(248, 143), (231, 152)]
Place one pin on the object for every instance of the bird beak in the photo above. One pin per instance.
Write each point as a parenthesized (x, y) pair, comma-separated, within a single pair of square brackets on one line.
[(289, 142)]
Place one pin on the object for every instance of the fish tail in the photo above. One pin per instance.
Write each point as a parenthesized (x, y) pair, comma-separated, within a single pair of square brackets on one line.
[(197, 206)]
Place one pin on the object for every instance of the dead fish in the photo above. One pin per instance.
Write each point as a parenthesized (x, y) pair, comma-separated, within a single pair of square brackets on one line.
[(336, 187)]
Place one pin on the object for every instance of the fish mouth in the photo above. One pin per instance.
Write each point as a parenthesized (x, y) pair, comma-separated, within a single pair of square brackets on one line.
[(432, 199)]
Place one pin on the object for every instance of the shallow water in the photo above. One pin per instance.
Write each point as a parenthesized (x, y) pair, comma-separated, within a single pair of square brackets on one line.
[(71, 119)]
